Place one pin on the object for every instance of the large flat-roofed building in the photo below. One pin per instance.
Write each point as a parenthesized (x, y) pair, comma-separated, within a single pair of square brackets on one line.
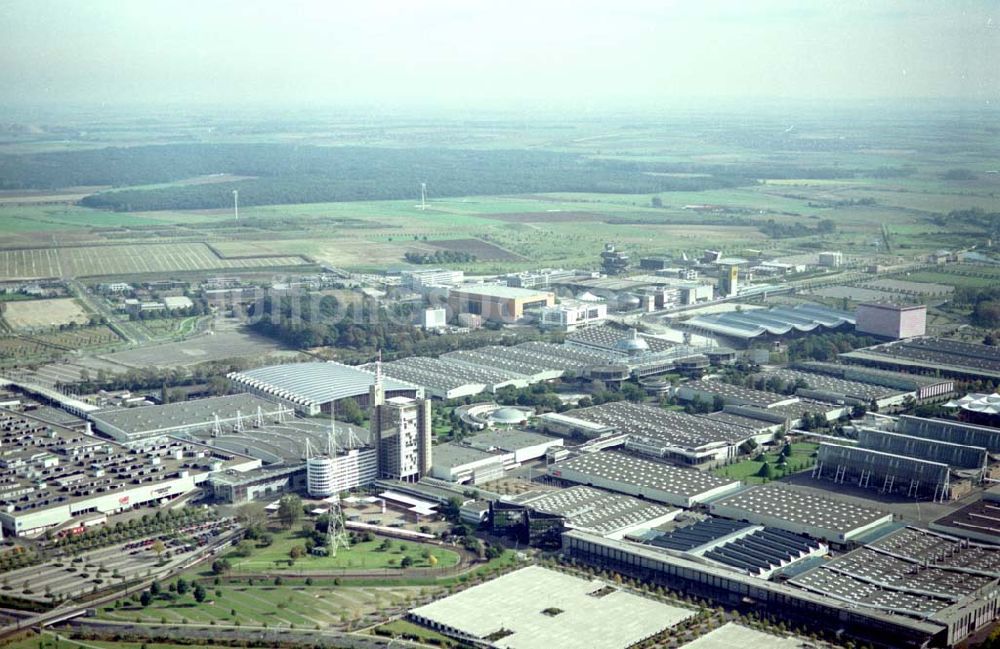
[(800, 512), (752, 549), (635, 476), (940, 356), (570, 315), (465, 464), (599, 511), (537, 608), (923, 387), (797, 606), (979, 520), (954, 432), (909, 574), (891, 320), (314, 388), (429, 277), (958, 456), (909, 476), (825, 387), (675, 436), (732, 394), (130, 424), (497, 303), (52, 476), (516, 446)]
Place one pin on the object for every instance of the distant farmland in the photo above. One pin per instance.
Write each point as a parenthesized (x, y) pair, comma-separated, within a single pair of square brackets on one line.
[(87, 261)]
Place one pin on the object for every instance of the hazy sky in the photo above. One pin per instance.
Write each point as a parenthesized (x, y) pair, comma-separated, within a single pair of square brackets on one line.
[(498, 53)]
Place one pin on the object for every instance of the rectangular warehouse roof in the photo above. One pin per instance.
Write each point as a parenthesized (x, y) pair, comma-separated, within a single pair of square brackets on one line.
[(315, 383), (800, 512), (536, 608), (644, 478), (667, 427), (599, 511), (502, 292), (950, 357), (183, 416)]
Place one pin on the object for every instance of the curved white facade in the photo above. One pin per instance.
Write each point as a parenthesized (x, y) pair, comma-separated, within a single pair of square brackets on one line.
[(319, 477)]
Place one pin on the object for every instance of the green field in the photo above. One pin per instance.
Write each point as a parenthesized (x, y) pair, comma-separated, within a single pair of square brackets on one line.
[(361, 556), (114, 260), (274, 606), (800, 460), (50, 640)]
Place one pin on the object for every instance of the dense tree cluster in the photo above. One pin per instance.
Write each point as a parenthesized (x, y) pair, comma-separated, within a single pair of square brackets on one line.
[(789, 230), (305, 321), (284, 173), (825, 347), (440, 257)]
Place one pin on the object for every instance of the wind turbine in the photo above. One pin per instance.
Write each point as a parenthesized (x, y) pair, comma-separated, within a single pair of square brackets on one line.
[(236, 203)]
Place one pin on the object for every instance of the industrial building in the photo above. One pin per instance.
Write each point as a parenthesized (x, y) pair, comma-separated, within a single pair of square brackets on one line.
[(979, 520), (824, 387), (131, 424), (732, 394), (796, 605), (422, 278), (465, 464), (939, 356), (570, 315), (675, 436), (891, 320), (752, 549), (314, 388), (543, 278), (955, 432), (496, 302), (831, 259), (914, 573), (744, 327), (958, 456), (52, 476), (923, 387), (800, 512), (448, 380), (888, 472), (597, 511), (537, 608), (515, 446), (635, 476)]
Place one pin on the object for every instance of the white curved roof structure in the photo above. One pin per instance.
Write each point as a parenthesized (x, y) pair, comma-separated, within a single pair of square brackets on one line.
[(778, 321)]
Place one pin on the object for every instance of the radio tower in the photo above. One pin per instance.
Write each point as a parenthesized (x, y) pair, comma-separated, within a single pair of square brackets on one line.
[(423, 196), (336, 533), (236, 203)]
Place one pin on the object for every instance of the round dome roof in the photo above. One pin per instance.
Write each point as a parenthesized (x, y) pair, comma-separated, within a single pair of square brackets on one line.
[(508, 415), (633, 343)]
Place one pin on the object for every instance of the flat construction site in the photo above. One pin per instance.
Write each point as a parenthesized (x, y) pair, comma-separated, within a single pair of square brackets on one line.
[(39, 314), (537, 608), (132, 259)]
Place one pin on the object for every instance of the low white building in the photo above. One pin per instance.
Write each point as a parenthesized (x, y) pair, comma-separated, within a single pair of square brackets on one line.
[(434, 319), (570, 315)]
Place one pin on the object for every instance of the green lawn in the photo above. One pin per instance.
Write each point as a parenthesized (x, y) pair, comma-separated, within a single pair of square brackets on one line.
[(800, 460), (49, 640), (265, 604), (410, 631), (365, 555)]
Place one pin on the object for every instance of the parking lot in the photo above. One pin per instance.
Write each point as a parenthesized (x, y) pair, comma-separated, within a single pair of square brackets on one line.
[(116, 564)]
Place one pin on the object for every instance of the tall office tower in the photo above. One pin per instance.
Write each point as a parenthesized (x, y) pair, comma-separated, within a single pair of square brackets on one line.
[(401, 431)]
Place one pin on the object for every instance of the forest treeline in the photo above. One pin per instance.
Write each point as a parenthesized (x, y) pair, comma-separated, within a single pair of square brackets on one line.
[(283, 173), (286, 173)]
